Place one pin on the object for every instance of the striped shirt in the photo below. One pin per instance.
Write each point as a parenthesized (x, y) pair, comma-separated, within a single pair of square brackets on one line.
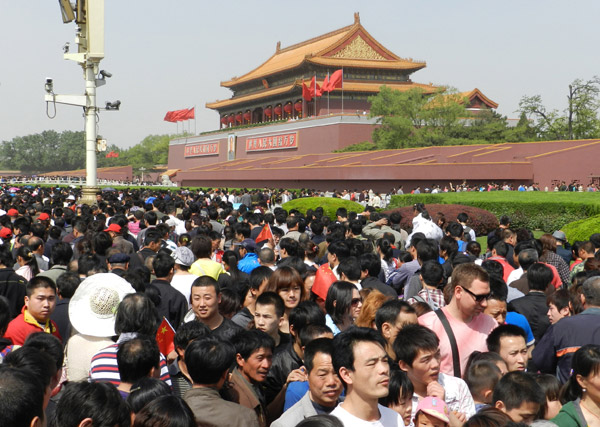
[(104, 367)]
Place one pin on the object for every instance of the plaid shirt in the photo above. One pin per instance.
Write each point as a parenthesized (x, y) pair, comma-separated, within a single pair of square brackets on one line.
[(433, 297)]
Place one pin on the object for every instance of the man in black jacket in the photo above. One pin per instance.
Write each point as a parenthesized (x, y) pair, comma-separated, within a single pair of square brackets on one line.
[(533, 305), (12, 286)]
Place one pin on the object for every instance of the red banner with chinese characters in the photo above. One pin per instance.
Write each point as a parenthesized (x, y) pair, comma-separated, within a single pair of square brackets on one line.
[(274, 142), (202, 149)]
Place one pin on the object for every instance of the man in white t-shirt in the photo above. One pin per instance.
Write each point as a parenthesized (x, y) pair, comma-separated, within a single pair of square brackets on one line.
[(361, 362)]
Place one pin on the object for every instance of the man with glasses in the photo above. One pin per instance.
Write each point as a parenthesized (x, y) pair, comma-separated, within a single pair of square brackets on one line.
[(469, 325)]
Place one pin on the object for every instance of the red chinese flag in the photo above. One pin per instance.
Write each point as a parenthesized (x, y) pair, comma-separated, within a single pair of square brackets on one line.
[(325, 85), (109, 155), (115, 154), (179, 115), (315, 90), (265, 234), (306, 93), (164, 337), (323, 280), (336, 80), (190, 113), (168, 116)]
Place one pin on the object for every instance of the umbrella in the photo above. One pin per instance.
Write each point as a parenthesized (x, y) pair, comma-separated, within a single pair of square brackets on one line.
[(108, 189), (13, 189)]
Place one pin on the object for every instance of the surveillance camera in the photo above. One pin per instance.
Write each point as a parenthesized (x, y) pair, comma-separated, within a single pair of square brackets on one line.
[(105, 73), (49, 86)]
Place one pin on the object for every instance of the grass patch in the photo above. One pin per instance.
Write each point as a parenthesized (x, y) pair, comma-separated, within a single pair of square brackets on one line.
[(329, 204)]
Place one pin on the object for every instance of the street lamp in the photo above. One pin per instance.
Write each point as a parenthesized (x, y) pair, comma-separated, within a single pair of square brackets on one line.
[(142, 169)]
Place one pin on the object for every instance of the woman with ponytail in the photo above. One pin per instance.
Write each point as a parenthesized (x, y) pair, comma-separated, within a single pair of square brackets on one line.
[(582, 391), (386, 253), (28, 264)]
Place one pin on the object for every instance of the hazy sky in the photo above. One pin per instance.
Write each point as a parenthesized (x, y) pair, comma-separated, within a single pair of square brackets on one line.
[(171, 55)]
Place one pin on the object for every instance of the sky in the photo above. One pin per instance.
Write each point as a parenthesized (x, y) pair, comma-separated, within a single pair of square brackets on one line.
[(173, 55)]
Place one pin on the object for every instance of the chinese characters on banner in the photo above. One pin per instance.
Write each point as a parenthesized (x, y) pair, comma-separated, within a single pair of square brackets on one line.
[(275, 142), (202, 149)]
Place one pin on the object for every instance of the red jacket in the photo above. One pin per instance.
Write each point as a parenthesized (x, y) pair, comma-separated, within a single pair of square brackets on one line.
[(24, 324)]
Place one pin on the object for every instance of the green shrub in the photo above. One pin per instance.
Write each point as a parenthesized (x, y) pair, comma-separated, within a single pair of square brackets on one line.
[(480, 220), (533, 210), (329, 205), (582, 229)]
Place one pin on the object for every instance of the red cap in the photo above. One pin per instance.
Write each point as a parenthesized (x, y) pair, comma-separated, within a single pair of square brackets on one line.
[(12, 212), (5, 233), (114, 227), (44, 217)]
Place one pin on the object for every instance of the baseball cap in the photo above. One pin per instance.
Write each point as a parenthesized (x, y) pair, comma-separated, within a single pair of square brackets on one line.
[(113, 227), (5, 233), (247, 244), (119, 258), (559, 235), (435, 407), (44, 217), (13, 212)]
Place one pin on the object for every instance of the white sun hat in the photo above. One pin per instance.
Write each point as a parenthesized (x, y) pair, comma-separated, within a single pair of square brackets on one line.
[(93, 307)]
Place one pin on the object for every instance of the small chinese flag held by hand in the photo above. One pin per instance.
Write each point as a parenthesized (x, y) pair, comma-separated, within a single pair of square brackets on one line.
[(323, 280), (265, 234), (164, 337)]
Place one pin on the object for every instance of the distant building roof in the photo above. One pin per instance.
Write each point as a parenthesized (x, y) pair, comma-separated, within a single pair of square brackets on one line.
[(351, 46)]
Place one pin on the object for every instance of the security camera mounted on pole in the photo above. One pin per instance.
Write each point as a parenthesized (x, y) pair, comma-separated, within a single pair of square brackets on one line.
[(89, 17)]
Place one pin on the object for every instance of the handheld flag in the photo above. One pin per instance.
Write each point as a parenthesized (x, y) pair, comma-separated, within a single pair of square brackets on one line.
[(323, 280), (164, 337), (265, 234)]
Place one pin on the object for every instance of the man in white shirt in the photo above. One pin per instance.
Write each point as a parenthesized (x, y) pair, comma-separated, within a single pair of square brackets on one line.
[(361, 363), (418, 354)]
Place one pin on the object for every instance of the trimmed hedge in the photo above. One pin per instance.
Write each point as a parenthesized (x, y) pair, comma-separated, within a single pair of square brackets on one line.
[(582, 229), (329, 205), (480, 220), (533, 210)]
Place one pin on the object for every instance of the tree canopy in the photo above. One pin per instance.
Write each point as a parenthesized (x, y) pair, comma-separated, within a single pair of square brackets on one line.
[(415, 119), (579, 119), (52, 151)]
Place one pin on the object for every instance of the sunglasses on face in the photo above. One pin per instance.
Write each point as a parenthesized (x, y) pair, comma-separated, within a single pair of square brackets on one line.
[(355, 301), (477, 298)]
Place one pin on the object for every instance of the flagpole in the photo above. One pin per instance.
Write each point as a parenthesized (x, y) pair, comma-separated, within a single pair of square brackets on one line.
[(194, 119), (342, 90), (316, 113), (328, 112)]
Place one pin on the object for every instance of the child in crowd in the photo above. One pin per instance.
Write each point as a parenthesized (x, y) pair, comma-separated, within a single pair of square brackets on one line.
[(432, 412), (551, 387), (482, 377), (400, 395)]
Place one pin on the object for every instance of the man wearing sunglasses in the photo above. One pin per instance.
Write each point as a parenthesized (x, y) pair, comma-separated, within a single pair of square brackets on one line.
[(470, 326)]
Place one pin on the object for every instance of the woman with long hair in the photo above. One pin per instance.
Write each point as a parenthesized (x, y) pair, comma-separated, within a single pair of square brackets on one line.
[(343, 305), (288, 284), (582, 391)]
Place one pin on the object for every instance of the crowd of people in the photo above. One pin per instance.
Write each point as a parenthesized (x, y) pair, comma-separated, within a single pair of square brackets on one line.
[(180, 308)]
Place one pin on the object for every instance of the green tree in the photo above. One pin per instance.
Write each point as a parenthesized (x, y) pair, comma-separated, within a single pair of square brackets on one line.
[(412, 118), (44, 152), (579, 120)]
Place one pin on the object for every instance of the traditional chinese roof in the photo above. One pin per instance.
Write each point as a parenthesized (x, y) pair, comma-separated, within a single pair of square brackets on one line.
[(253, 96), (477, 94), (351, 46), (349, 86)]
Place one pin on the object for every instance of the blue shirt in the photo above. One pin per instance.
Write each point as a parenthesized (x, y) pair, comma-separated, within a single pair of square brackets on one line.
[(248, 263)]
